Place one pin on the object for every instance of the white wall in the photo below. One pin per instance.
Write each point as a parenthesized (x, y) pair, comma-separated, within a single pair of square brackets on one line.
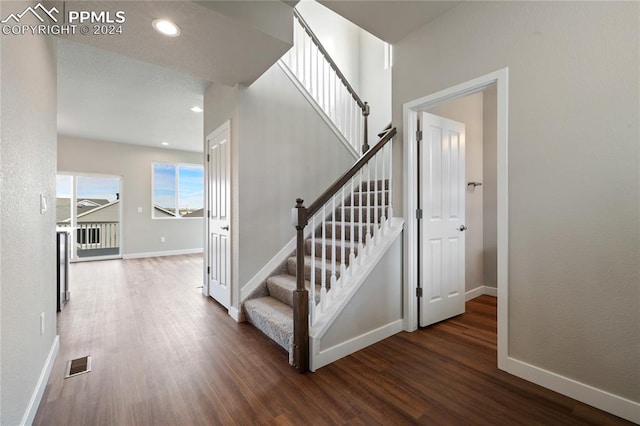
[(375, 83), (28, 262), (340, 37), (359, 55), (574, 183), (469, 110), (281, 150), (285, 151), (490, 187), (140, 233)]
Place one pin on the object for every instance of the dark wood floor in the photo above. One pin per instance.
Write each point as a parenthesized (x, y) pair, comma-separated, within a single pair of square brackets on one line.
[(165, 355)]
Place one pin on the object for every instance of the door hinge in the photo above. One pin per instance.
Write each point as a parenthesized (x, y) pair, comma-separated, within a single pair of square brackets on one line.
[(418, 213), (208, 270), (419, 135), (418, 291)]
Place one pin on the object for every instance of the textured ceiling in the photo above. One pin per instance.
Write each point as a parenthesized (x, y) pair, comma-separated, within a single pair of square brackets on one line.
[(137, 87), (106, 96), (390, 21)]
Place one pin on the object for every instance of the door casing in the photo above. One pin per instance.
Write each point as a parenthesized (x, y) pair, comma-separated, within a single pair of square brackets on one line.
[(500, 80)]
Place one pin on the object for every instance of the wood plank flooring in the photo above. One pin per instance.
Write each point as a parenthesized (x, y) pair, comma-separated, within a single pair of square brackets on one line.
[(163, 354)]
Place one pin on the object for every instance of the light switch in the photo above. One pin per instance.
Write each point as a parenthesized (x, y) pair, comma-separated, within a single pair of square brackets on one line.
[(139, 209), (43, 204)]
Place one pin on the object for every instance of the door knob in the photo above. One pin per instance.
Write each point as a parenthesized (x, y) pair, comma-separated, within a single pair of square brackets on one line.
[(225, 228), (462, 228)]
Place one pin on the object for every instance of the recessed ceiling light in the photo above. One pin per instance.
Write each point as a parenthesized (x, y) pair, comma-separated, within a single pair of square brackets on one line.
[(166, 27), (196, 109), (165, 143)]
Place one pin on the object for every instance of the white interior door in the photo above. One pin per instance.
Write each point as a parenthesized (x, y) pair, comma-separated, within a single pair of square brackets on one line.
[(442, 237), (219, 242)]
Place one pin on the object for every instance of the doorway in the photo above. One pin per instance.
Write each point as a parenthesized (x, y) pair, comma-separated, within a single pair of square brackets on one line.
[(89, 207), (411, 150), (218, 241)]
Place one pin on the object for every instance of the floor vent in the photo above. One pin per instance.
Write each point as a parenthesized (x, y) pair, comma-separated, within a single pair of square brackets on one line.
[(78, 366)]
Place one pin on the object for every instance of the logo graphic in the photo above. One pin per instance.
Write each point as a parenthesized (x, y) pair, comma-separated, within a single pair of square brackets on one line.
[(34, 11)]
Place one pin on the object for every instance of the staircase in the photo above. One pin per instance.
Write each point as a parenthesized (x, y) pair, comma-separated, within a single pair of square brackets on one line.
[(350, 224), (273, 314)]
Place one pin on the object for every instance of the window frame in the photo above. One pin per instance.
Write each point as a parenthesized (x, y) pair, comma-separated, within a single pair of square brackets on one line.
[(176, 191)]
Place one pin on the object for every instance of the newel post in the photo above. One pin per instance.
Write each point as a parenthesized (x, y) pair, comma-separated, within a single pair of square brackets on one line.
[(365, 114), (300, 295)]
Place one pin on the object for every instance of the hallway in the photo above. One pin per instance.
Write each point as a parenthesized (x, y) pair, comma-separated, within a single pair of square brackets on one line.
[(164, 354)]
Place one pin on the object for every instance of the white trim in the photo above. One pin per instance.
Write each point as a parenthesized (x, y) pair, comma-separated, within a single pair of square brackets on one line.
[(36, 397), (236, 314), (318, 108), (410, 111), (320, 358), (614, 404), (479, 291), (266, 271), (364, 267), (162, 253)]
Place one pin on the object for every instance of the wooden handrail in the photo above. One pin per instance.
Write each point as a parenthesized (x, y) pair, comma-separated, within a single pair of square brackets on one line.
[(342, 180), (300, 216)]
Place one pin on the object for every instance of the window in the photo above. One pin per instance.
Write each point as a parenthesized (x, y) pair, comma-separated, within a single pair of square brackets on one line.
[(178, 191)]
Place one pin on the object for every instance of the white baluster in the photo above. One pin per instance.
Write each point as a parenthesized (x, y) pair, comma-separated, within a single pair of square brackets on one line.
[(313, 269), (376, 224), (390, 184), (352, 255), (383, 204), (334, 279), (368, 214), (323, 269), (343, 265), (361, 223)]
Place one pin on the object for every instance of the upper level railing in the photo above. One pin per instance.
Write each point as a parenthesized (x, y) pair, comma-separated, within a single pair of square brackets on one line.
[(345, 221), (312, 65)]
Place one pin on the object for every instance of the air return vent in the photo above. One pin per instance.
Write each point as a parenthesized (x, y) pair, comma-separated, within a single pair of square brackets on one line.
[(78, 366)]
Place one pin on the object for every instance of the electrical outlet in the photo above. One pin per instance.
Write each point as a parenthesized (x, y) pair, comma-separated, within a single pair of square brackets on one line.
[(42, 324), (163, 240)]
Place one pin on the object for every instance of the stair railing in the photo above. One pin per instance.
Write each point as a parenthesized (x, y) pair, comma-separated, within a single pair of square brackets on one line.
[(362, 199), (312, 65)]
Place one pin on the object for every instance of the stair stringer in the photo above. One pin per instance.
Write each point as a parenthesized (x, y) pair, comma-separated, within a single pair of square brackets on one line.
[(354, 320)]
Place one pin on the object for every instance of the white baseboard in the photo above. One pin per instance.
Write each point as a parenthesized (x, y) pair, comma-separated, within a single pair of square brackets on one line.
[(614, 404), (479, 291), (36, 397), (320, 358), (237, 315), (162, 253)]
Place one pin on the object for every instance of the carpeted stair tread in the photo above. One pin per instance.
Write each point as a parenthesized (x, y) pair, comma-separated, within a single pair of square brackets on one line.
[(273, 318), (291, 268), (357, 212), (374, 185), (282, 287), (328, 250), (368, 198), (347, 230)]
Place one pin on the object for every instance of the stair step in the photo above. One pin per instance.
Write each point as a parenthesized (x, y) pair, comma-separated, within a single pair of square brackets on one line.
[(328, 254), (281, 287), (273, 318), (355, 211), (368, 198), (381, 184), (291, 268), (347, 230)]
